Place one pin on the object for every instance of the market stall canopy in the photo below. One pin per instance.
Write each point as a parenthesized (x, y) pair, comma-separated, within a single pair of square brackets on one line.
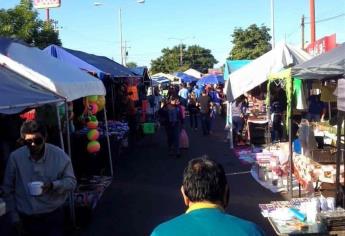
[(19, 88), (161, 74), (211, 79), (63, 55), (61, 78), (103, 64), (194, 73), (184, 77), (231, 66), (329, 65), (257, 71), (141, 71)]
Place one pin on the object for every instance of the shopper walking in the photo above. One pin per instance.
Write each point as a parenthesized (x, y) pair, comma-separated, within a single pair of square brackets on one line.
[(193, 111), (204, 103)]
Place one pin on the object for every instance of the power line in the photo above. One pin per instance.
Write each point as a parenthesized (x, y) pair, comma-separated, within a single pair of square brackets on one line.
[(327, 19)]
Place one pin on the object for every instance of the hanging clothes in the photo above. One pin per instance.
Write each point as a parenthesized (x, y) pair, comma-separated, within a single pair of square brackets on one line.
[(301, 101), (133, 92), (340, 95)]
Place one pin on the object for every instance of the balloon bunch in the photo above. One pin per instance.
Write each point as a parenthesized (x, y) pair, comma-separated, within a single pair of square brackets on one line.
[(93, 104)]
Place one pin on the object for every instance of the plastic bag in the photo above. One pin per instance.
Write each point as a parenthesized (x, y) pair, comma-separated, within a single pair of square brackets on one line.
[(184, 140)]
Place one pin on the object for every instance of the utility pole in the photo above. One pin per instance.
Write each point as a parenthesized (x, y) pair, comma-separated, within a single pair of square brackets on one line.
[(312, 22), (47, 15), (181, 48), (125, 52), (120, 28), (302, 29), (181, 54)]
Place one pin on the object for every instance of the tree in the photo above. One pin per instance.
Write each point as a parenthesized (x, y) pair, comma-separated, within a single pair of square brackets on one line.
[(22, 22), (193, 56), (250, 43), (131, 64)]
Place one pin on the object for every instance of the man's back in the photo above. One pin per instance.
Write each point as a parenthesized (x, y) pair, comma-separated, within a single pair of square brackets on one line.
[(204, 102), (207, 221)]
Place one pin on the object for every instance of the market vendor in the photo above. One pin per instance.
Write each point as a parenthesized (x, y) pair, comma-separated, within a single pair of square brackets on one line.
[(277, 107), (316, 108), (38, 178)]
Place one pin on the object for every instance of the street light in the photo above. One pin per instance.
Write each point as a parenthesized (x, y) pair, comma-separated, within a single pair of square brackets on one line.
[(120, 29)]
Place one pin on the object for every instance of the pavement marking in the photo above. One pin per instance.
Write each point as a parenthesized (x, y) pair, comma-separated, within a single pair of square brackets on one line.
[(238, 173)]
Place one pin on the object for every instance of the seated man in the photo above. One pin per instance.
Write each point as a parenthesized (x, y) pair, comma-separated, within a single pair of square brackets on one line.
[(206, 193)]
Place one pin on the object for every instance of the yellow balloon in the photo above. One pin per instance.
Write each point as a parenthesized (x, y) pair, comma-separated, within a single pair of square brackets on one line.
[(100, 102)]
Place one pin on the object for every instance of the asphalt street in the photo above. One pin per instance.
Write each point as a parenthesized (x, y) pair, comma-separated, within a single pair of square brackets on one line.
[(146, 186)]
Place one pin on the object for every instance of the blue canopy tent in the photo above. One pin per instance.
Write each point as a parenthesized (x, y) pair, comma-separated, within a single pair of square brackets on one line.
[(142, 71), (184, 77), (233, 65), (210, 79), (92, 63)]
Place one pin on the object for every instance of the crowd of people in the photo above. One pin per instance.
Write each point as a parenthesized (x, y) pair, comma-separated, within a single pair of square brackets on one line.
[(201, 104)]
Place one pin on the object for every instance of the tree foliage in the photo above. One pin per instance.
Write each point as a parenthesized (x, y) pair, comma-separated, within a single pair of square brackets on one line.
[(250, 43), (193, 56), (22, 22), (131, 64)]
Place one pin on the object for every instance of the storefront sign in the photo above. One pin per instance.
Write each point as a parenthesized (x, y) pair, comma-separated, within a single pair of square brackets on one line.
[(46, 3), (322, 45)]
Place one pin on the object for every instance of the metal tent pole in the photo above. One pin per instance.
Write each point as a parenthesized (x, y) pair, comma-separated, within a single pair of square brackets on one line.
[(71, 194), (60, 129), (340, 120), (229, 124), (108, 142), (289, 114)]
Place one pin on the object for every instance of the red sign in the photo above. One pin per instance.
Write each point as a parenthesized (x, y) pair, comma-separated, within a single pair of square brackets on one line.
[(322, 45), (46, 3)]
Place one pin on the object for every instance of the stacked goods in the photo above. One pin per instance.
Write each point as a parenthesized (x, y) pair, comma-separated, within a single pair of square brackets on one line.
[(333, 220)]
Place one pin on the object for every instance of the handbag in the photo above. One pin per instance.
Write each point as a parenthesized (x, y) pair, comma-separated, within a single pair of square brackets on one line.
[(184, 140)]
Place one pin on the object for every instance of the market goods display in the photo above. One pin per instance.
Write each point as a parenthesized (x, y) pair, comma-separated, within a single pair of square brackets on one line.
[(93, 104)]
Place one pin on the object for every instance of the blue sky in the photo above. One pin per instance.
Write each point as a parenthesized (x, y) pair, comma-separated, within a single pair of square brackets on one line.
[(149, 27)]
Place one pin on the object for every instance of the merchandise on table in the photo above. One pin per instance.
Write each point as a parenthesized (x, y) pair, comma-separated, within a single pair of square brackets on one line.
[(116, 128), (309, 171), (334, 220), (304, 215)]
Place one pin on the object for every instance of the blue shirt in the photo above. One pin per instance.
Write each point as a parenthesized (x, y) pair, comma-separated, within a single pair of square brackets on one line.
[(197, 92), (183, 93), (207, 221)]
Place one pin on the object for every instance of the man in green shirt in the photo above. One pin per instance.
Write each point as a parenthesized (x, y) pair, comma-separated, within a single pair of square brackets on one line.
[(206, 193)]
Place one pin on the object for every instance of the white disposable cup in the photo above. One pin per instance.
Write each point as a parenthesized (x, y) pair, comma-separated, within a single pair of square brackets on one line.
[(35, 188)]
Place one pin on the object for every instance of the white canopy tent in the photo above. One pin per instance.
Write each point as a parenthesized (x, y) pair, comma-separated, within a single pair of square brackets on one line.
[(59, 77), (18, 91), (257, 71), (161, 74), (194, 73)]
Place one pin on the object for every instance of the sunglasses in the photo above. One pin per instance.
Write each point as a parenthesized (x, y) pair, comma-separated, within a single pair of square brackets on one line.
[(36, 141)]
